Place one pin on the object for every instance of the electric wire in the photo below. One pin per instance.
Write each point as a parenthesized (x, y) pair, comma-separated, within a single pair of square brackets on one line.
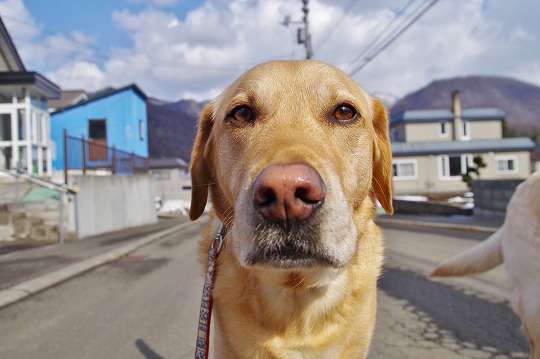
[(388, 40)]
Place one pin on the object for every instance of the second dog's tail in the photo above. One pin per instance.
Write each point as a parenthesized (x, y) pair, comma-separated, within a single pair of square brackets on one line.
[(480, 258)]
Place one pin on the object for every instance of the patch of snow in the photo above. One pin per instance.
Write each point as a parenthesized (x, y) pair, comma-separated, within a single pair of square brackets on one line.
[(175, 206), (411, 198)]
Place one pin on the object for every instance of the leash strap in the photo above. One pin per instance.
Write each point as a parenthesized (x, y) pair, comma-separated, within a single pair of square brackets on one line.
[(207, 301)]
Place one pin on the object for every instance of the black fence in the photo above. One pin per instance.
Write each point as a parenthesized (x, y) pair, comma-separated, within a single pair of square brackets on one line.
[(85, 155)]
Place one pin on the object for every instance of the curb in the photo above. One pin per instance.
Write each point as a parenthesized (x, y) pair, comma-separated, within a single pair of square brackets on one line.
[(22, 290), (459, 227)]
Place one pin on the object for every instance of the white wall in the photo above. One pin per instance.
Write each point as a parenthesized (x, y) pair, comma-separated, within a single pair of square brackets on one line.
[(111, 203)]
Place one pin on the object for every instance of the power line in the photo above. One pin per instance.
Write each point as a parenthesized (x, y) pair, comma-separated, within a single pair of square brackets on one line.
[(390, 38), (334, 26), (384, 30)]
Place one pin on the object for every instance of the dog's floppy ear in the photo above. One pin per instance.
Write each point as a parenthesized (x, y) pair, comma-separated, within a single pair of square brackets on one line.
[(382, 157), (201, 171)]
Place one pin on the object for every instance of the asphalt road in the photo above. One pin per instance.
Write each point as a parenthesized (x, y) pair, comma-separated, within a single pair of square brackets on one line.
[(146, 306), (142, 306), (447, 318)]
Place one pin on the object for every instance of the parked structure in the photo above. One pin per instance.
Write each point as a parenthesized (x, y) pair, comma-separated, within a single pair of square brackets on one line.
[(25, 141), (433, 148), (171, 178), (115, 118)]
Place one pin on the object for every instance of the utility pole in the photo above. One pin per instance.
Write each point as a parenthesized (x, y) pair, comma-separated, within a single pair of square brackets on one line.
[(304, 36)]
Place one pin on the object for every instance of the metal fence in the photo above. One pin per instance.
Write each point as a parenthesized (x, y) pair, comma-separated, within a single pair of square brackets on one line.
[(85, 155)]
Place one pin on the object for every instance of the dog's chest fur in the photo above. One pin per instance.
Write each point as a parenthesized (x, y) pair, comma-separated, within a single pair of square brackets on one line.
[(254, 320)]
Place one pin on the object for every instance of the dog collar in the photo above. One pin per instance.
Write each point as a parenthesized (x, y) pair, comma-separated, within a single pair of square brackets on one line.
[(207, 300)]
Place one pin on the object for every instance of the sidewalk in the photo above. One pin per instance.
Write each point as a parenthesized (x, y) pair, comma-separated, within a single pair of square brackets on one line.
[(29, 271), (34, 269), (463, 223)]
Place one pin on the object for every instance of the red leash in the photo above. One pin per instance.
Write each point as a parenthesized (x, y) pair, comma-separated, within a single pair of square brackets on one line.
[(207, 301)]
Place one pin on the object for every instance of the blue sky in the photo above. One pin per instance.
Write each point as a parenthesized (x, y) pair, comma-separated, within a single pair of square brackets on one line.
[(94, 18), (176, 49)]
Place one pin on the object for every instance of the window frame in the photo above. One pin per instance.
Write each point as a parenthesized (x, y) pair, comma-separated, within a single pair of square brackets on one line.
[(443, 128), (399, 162), (466, 159), (505, 171)]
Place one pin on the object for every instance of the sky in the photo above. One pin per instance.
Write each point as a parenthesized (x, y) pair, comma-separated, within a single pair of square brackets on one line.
[(185, 49)]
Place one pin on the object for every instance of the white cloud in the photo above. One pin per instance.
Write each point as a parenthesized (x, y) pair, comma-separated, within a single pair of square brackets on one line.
[(80, 75), (197, 56)]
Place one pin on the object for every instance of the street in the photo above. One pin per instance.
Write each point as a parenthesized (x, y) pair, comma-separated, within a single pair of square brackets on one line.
[(146, 305), (448, 318)]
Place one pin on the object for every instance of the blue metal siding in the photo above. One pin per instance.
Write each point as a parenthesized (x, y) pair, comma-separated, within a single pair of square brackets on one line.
[(122, 110)]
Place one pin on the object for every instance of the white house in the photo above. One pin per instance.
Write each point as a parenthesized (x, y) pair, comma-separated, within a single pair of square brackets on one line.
[(25, 139), (433, 148)]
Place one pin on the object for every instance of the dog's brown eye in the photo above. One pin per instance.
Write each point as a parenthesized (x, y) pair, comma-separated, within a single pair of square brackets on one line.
[(242, 114), (345, 113)]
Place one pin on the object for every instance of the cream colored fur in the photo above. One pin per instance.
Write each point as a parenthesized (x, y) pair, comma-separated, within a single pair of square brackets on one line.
[(517, 243), (321, 311)]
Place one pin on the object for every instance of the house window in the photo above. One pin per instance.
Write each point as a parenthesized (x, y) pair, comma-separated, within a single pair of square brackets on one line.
[(161, 175), (405, 169), (454, 166), (141, 130), (21, 123), (506, 165), (466, 134), (5, 127), (443, 129)]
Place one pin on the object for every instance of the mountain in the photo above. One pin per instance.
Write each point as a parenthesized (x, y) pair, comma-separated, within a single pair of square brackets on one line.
[(519, 100), (388, 99), (172, 127)]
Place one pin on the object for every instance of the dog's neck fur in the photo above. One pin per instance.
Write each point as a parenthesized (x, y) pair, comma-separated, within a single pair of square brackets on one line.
[(312, 310)]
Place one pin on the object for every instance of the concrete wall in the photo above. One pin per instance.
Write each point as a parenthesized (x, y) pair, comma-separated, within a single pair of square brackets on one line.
[(486, 130), (111, 203), (431, 131), (428, 132), (492, 197), (429, 179), (428, 208)]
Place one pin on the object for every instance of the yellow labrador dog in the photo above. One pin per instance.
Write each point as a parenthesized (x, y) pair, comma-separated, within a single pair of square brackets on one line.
[(517, 243), (294, 154)]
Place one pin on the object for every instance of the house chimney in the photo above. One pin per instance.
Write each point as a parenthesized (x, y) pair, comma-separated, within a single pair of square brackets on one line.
[(456, 109)]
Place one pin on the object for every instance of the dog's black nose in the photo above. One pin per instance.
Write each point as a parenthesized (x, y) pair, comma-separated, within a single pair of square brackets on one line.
[(288, 193)]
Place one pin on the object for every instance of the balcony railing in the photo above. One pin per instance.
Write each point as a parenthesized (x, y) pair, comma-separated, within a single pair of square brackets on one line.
[(85, 155)]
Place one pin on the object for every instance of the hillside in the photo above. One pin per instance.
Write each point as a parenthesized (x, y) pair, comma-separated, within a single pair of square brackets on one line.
[(172, 127), (519, 100)]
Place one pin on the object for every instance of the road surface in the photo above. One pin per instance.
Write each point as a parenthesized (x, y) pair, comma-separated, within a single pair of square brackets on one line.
[(146, 306)]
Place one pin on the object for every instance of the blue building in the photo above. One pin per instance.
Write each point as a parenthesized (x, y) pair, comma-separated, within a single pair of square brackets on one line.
[(113, 118)]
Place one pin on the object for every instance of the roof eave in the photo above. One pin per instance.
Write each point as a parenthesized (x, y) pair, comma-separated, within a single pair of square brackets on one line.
[(40, 82)]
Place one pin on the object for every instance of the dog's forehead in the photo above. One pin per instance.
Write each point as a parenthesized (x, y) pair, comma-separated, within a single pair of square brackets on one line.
[(312, 78)]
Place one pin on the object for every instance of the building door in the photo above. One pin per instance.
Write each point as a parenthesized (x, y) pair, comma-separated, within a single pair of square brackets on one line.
[(97, 137)]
